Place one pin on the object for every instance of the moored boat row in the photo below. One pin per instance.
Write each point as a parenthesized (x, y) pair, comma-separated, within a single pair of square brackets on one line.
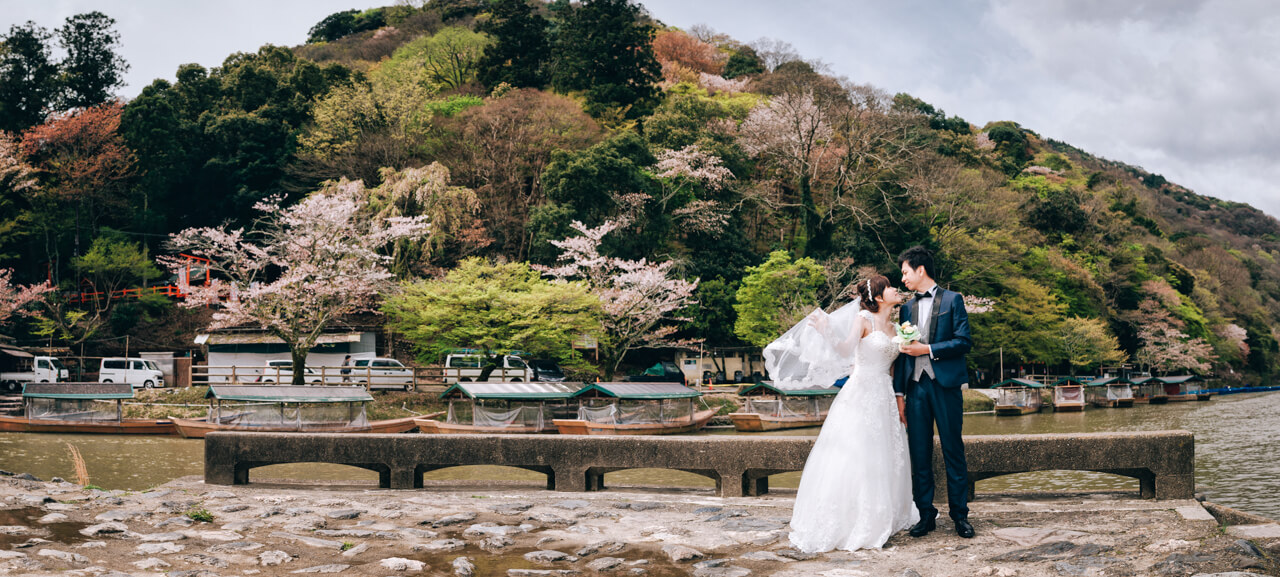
[(1022, 396)]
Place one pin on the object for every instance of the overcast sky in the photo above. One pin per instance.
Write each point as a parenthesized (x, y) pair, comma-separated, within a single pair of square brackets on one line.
[(1185, 88)]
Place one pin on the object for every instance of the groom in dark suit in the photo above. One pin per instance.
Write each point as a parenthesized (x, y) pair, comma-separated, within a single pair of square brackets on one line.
[(927, 379)]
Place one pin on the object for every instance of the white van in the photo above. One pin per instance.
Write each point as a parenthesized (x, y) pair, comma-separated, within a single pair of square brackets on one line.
[(380, 373), (467, 367), (141, 373)]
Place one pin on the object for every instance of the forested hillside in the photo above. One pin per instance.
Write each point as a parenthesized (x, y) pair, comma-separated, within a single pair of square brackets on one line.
[(740, 166)]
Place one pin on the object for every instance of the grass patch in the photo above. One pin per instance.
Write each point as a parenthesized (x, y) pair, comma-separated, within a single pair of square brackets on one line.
[(346, 545), (724, 403), (201, 515), (975, 401)]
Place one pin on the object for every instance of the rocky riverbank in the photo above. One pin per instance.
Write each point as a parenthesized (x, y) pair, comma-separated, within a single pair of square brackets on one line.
[(187, 529)]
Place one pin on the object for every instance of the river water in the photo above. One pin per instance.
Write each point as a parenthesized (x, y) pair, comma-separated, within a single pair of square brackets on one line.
[(1237, 454)]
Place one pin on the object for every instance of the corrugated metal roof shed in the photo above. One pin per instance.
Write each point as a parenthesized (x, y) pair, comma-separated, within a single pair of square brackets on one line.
[(288, 393), (265, 339), (1178, 380)]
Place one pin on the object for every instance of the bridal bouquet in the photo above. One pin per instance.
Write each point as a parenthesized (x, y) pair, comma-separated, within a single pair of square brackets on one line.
[(907, 333)]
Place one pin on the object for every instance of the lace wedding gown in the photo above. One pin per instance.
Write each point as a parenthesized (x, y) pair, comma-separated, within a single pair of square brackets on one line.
[(856, 488)]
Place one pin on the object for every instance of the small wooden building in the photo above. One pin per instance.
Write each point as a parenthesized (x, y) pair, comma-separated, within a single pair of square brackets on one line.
[(1184, 388), (1149, 390)]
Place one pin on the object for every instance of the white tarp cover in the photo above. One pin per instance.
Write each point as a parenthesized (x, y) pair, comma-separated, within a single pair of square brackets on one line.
[(71, 409), (791, 407), (298, 416), (638, 412)]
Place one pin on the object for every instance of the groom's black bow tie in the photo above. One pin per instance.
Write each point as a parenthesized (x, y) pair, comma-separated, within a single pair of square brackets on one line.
[(926, 294)]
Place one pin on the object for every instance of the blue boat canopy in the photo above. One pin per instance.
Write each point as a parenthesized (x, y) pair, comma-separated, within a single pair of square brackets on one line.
[(638, 391), (767, 388), (289, 394), (77, 391)]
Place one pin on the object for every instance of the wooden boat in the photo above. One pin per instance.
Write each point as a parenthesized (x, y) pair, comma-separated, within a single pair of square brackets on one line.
[(1018, 397), (1184, 388), (635, 409), (1149, 390), (525, 408), (767, 408), (1068, 395), (288, 409), (1109, 392), (80, 408)]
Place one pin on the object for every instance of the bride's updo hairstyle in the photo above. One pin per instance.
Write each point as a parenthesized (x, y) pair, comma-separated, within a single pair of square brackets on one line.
[(871, 289)]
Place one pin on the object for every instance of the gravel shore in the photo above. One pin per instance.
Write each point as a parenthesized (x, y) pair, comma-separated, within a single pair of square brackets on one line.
[(187, 529)]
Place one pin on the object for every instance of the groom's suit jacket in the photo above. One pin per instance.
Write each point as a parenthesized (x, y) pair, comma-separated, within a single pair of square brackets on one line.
[(948, 336)]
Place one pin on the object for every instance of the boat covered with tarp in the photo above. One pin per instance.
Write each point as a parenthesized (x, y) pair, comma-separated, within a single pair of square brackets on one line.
[(1149, 390), (288, 409), (768, 408), (1112, 392), (635, 409), (1184, 388), (1018, 397), (496, 407), (80, 408), (1068, 395)]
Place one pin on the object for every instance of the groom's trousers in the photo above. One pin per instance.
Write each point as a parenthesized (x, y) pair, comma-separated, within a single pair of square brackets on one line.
[(929, 403)]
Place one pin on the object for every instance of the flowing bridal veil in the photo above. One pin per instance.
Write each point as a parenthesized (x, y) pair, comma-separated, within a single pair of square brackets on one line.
[(817, 351)]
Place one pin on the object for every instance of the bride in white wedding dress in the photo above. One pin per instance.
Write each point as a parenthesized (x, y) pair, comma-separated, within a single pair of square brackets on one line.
[(855, 492)]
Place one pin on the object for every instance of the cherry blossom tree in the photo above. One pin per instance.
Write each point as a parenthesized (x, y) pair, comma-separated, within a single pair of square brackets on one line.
[(637, 297), (1165, 347), (684, 174), (299, 269), (14, 299)]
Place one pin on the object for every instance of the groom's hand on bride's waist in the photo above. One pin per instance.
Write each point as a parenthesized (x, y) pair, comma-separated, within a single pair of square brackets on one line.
[(914, 349)]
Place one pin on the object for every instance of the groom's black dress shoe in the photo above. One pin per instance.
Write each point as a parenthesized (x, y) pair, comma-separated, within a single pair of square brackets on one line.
[(964, 528), (923, 527)]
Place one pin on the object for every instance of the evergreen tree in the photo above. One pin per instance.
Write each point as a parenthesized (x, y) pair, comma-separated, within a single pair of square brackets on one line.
[(28, 77), (521, 51), (91, 69), (606, 52)]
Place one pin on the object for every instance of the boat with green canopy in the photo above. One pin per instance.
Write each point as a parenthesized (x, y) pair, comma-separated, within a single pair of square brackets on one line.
[(1018, 397), (504, 408), (1109, 392), (635, 409), (288, 409), (1068, 395), (768, 408), (96, 408), (1149, 390), (1184, 388)]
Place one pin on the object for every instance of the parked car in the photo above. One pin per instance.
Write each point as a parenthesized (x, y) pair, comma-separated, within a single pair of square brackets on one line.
[(380, 373), (661, 372), (467, 367), (141, 373), (19, 367), (546, 370), (281, 371)]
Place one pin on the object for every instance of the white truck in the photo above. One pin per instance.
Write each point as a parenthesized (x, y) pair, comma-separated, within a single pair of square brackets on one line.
[(18, 367)]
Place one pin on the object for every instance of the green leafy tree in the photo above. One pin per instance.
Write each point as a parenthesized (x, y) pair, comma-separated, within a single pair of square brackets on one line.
[(345, 23), (28, 77), (446, 60), (91, 68), (112, 264), (742, 62), (604, 50), (494, 308), (521, 50), (775, 295), (1087, 344), (1026, 325)]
